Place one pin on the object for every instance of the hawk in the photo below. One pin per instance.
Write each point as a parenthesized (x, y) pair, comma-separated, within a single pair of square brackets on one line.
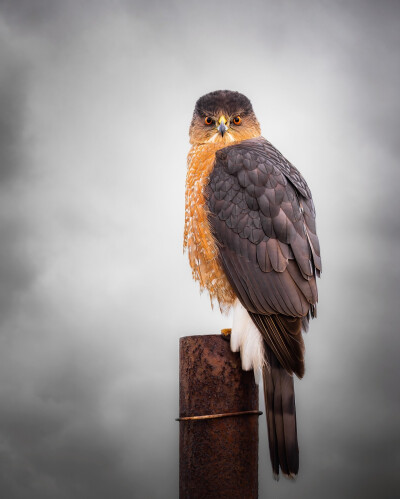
[(251, 239)]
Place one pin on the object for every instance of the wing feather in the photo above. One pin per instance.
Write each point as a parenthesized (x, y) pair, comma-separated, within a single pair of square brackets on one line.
[(263, 219)]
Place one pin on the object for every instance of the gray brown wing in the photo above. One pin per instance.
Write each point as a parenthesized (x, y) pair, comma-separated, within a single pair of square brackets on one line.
[(262, 216)]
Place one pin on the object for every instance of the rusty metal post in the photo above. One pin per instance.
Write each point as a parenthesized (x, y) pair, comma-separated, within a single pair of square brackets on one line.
[(218, 456)]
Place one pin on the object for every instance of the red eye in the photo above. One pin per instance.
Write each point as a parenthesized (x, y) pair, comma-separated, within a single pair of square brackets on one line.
[(208, 121), (237, 120)]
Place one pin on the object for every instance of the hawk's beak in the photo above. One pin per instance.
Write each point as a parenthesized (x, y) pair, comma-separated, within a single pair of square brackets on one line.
[(222, 125)]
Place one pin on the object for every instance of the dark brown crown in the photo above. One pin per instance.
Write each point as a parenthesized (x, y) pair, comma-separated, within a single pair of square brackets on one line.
[(223, 100)]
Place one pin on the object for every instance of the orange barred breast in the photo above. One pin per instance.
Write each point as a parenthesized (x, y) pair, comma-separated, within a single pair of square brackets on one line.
[(198, 239)]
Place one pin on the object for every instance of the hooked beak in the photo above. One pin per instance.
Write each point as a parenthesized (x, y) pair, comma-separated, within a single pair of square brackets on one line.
[(222, 128)]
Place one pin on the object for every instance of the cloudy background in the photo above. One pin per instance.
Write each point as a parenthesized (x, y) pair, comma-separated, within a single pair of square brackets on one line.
[(95, 103)]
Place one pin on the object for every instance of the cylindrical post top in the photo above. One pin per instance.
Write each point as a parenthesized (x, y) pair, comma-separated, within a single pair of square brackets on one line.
[(218, 457), (211, 378)]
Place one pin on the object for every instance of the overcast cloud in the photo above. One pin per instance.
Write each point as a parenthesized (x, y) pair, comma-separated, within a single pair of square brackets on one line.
[(95, 103)]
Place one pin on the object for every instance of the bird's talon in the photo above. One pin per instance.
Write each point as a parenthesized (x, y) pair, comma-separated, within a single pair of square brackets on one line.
[(226, 332)]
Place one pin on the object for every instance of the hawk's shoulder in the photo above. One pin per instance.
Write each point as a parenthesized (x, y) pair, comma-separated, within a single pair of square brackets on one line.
[(253, 152)]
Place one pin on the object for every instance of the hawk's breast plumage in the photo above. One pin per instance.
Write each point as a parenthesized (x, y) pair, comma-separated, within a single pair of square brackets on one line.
[(198, 238)]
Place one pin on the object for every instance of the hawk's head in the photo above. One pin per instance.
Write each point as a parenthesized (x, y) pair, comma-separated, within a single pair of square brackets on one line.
[(223, 116)]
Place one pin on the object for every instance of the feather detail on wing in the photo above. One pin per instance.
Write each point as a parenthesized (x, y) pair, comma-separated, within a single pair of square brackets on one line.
[(262, 217), (283, 336)]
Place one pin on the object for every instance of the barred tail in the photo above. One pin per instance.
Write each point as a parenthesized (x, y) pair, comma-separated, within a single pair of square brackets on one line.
[(281, 417)]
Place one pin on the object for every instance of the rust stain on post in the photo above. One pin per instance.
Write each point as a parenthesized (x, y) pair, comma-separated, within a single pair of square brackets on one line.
[(218, 456)]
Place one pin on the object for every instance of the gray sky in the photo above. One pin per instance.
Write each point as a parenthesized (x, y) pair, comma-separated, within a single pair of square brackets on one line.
[(95, 103)]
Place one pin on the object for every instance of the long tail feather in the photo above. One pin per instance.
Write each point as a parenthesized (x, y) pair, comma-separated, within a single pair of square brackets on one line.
[(281, 417)]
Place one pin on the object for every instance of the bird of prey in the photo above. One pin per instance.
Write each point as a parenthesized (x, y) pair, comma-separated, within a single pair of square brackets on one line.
[(251, 239)]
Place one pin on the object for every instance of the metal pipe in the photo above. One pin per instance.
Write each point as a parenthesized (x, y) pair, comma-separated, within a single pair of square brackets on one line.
[(218, 414)]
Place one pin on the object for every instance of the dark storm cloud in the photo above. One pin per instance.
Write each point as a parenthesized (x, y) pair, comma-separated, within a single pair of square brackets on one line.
[(69, 425), (96, 99), (26, 14), (16, 272), (12, 105)]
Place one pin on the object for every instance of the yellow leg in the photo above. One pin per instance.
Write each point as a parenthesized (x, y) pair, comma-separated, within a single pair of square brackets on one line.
[(226, 332)]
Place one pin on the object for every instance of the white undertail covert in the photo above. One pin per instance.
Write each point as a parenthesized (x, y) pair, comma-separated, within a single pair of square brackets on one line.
[(247, 339)]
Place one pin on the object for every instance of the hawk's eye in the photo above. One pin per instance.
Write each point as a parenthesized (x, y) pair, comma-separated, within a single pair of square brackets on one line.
[(208, 121), (237, 120)]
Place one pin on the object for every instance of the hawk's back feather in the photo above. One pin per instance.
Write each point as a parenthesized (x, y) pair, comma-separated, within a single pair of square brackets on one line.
[(263, 219)]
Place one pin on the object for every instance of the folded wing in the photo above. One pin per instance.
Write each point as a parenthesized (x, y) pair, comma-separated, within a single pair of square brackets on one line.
[(263, 219)]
